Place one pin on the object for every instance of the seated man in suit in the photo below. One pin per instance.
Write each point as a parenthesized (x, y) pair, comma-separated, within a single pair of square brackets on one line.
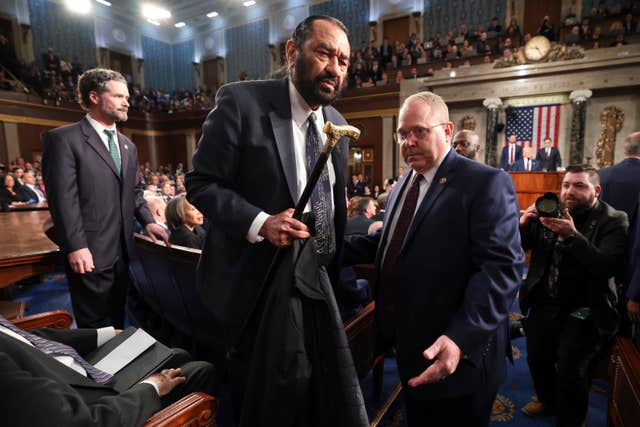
[(360, 223), (45, 369), (511, 153), (568, 295), (527, 163), (549, 157)]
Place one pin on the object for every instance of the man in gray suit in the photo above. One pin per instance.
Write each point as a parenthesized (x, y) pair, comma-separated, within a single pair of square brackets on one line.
[(91, 174), (250, 169)]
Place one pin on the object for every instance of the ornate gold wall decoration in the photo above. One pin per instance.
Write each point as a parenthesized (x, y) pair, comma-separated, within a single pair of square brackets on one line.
[(555, 52), (468, 122), (611, 120)]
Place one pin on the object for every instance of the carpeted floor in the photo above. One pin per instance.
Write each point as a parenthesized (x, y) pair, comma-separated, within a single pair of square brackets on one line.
[(53, 294)]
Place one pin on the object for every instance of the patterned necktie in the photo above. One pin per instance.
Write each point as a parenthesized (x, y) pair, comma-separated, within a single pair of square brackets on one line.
[(113, 149), (385, 298), (58, 349), (321, 195)]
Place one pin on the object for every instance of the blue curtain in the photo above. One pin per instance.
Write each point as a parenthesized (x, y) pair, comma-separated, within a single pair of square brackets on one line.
[(158, 66), (183, 72), (247, 49), (70, 35), (353, 14), (447, 15)]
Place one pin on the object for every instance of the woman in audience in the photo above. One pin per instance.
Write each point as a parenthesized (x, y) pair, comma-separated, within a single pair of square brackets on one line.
[(185, 223), (10, 194)]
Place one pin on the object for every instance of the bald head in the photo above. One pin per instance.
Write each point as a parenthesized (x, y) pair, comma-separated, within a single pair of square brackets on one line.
[(632, 145), (467, 143), (157, 207), (436, 104)]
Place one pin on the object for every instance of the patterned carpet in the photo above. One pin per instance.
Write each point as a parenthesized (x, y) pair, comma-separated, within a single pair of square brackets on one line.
[(53, 294)]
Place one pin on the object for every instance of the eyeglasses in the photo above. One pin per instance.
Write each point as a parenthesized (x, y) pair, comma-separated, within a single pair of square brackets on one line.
[(419, 132)]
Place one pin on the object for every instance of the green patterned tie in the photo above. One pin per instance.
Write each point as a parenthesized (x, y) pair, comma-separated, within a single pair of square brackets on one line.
[(113, 149)]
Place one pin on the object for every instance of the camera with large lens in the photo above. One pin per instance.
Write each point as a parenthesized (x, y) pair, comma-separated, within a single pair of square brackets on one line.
[(548, 206)]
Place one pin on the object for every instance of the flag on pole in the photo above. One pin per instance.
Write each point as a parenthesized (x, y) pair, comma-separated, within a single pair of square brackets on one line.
[(533, 124)]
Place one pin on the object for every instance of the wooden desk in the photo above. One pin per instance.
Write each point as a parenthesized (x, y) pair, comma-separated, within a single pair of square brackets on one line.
[(531, 185), (30, 207), (25, 250)]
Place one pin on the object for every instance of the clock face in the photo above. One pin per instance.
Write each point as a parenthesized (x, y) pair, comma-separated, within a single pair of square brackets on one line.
[(537, 48)]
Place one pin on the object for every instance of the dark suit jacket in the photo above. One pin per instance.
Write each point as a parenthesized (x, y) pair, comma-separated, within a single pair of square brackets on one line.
[(456, 275), (504, 157), (245, 164), (621, 184), (8, 198), (359, 224), (519, 166), (182, 236), (588, 262), (59, 395), (633, 292), (551, 162), (91, 205)]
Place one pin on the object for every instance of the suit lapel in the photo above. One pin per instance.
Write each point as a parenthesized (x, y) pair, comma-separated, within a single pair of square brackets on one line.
[(390, 212), (94, 141), (280, 118), (124, 153)]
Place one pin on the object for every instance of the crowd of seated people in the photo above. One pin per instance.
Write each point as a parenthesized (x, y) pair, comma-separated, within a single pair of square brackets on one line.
[(21, 184), (603, 27)]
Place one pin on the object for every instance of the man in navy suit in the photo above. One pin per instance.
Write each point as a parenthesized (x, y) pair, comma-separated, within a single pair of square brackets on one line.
[(527, 163), (91, 174), (250, 170), (449, 263), (620, 183), (549, 157), (511, 153)]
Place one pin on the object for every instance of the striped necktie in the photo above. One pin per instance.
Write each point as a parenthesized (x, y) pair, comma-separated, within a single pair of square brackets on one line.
[(54, 348), (113, 149)]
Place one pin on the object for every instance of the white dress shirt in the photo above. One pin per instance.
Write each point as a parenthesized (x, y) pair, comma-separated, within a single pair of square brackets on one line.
[(100, 128), (300, 112)]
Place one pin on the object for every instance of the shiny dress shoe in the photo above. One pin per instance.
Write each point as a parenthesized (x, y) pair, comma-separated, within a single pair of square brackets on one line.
[(536, 409)]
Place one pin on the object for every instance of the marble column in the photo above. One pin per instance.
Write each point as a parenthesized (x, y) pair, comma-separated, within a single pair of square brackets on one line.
[(491, 142), (578, 122)]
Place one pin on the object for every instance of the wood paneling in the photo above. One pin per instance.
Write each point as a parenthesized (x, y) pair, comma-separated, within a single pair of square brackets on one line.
[(143, 144), (534, 11), (371, 137), (3, 147), (171, 149), (531, 185), (396, 30), (30, 140)]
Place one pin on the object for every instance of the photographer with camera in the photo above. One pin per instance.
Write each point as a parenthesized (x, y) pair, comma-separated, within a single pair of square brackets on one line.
[(578, 244)]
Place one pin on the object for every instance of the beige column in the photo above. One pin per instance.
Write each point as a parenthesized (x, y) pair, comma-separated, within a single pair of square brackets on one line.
[(388, 168), (191, 147), (13, 143)]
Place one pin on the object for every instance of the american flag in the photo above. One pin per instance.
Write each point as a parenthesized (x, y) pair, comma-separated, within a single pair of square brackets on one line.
[(533, 124)]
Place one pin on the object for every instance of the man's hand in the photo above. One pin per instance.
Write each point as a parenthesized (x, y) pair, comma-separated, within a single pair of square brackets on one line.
[(156, 232), (166, 380), (447, 355), (563, 227), (530, 213), (81, 261), (633, 309), (282, 229)]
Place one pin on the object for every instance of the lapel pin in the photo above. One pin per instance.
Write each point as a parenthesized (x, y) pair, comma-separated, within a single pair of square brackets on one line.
[(442, 180), (126, 147)]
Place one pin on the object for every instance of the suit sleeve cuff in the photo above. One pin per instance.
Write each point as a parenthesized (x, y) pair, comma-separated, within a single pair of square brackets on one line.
[(153, 384), (105, 334), (256, 225)]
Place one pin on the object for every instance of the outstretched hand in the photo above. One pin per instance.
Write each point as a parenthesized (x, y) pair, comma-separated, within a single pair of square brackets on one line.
[(446, 354)]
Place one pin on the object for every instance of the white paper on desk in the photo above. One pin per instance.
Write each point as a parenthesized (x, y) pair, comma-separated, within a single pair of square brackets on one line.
[(126, 352)]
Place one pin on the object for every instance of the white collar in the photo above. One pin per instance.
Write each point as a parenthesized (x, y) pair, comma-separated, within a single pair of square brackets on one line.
[(300, 110), (431, 172), (99, 127)]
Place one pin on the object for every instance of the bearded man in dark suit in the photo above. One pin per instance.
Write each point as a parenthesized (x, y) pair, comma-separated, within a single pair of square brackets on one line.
[(91, 174)]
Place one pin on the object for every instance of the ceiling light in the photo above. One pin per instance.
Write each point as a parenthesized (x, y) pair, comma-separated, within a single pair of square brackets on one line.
[(179, 24), (79, 6), (155, 13), (212, 14), (249, 3), (151, 21), (104, 2)]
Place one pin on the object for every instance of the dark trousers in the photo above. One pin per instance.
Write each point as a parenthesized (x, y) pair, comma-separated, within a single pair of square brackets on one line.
[(98, 298), (560, 349), (201, 376), (472, 410)]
